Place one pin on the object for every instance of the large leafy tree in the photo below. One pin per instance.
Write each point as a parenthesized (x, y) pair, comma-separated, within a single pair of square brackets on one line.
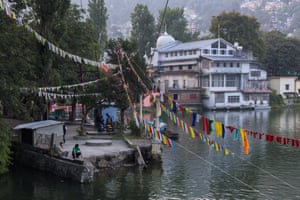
[(17, 62), (143, 29), (235, 27), (98, 16), (132, 66), (281, 54), (176, 24)]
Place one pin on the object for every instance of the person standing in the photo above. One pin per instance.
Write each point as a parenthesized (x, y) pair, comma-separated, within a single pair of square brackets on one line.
[(64, 134)]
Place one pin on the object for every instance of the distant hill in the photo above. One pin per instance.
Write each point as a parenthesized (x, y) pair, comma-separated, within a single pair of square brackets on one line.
[(283, 15)]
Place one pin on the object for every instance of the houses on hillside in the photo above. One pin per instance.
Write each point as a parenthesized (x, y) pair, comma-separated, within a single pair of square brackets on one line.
[(213, 73)]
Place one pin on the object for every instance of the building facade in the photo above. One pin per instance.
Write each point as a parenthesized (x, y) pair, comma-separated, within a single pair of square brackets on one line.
[(286, 86), (213, 73)]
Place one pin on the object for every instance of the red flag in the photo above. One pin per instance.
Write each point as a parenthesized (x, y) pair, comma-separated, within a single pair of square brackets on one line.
[(104, 68)]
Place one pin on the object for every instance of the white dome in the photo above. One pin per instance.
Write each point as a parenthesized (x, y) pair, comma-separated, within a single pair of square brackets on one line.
[(164, 39)]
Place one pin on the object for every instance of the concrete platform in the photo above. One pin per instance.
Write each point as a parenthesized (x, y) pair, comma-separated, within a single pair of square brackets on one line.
[(96, 142)]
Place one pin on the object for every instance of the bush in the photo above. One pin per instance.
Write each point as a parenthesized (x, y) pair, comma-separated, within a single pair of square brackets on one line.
[(275, 99), (134, 128)]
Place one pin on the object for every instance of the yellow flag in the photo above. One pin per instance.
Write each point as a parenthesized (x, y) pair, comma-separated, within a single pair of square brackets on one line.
[(192, 132)]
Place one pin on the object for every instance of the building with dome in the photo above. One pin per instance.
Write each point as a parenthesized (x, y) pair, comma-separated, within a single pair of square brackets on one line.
[(212, 73)]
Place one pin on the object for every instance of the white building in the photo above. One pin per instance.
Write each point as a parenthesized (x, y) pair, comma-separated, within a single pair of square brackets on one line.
[(213, 73)]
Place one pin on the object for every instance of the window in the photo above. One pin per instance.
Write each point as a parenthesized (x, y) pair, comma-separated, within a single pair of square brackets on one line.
[(215, 45), (224, 64), (184, 84), (287, 87), (171, 68), (194, 52), (230, 81), (180, 53), (223, 45), (171, 54), (206, 51), (166, 84), (214, 51), (218, 64), (185, 53), (219, 97), (204, 81), (233, 99), (217, 80), (190, 52), (255, 73), (166, 55), (237, 64), (190, 67), (231, 64), (175, 84), (175, 53), (222, 52), (180, 67), (230, 52), (175, 96)]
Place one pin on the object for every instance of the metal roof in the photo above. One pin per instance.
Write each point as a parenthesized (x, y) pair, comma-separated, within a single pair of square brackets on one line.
[(37, 124), (175, 46), (226, 58)]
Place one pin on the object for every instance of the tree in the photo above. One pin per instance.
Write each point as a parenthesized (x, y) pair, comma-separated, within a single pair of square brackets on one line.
[(98, 16), (123, 53), (235, 27), (5, 147), (143, 29), (281, 54), (17, 62), (176, 24)]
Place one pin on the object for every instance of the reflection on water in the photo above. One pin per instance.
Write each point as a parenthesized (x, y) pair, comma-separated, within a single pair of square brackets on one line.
[(193, 170)]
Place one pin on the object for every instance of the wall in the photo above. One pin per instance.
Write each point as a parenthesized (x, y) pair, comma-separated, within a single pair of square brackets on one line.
[(64, 168)]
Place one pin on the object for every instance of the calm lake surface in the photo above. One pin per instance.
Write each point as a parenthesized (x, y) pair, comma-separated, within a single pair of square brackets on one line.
[(193, 171)]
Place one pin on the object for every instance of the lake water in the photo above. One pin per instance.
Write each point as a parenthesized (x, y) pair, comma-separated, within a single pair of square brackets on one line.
[(193, 171)]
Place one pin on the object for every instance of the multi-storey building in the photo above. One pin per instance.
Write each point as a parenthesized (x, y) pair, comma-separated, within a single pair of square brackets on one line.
[(213, 73)]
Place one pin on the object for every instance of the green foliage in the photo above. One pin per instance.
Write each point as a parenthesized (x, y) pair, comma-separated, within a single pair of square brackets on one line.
[(281, 54), (143, 29), (98, 16), (235, 27), (119, 50), (176, 24), (4, 147), (276, 100), (135, 130)]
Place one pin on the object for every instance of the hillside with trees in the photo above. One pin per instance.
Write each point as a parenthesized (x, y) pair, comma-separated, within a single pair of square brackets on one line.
[(280, 15)]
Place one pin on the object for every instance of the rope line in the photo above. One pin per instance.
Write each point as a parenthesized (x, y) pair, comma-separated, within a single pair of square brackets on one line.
[(220, 169), (269, 173)]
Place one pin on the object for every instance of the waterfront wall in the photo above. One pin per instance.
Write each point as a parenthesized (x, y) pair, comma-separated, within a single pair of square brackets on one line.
[(80, 171)]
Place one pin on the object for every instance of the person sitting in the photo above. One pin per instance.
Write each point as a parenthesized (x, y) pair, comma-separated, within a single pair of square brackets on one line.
[(109, 125), (76, 153), (60, 150)]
